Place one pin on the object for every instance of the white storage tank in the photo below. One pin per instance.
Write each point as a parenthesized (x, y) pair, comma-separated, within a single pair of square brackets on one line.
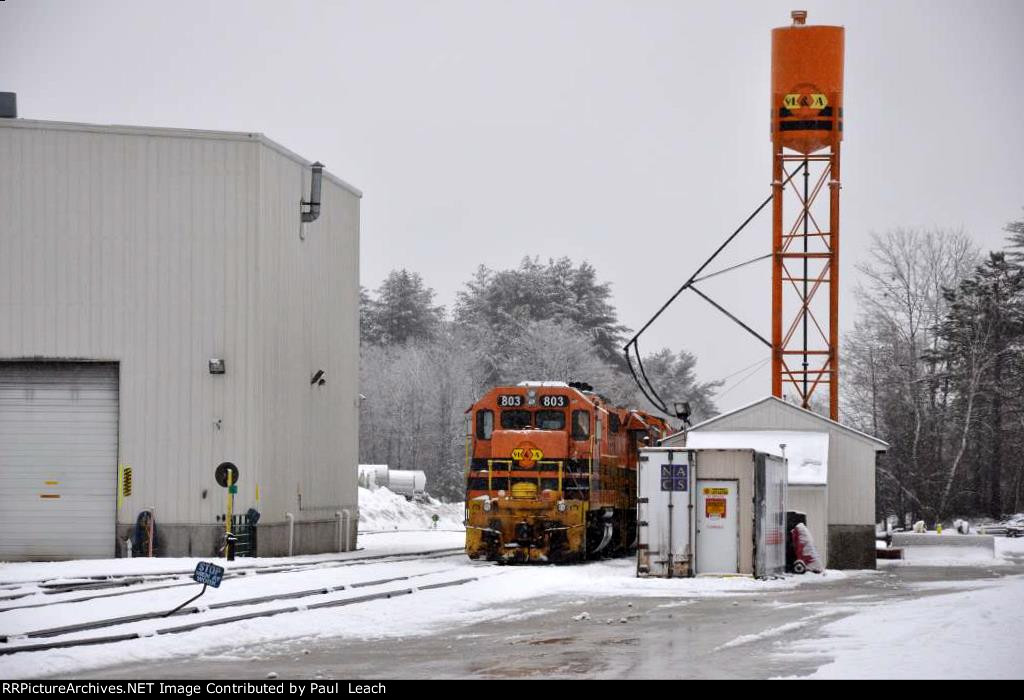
[(373, 476), (710, 511), (407, 482)]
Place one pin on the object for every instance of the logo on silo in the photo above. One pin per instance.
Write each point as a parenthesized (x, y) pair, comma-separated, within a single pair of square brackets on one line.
[(804, 100)]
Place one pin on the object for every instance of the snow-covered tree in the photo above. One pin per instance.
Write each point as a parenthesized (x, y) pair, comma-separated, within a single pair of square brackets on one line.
[(675, 377), (496, 305), (403, 310)]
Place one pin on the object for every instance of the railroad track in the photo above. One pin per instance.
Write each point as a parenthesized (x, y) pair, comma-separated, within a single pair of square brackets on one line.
[(86, 580), (135, 583), (12, 644)]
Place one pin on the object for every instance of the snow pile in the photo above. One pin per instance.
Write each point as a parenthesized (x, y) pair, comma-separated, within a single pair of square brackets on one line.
[(948, 550), (383, 510)]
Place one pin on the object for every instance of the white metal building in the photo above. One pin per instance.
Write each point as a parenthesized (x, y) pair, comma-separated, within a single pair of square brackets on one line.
[(135, 264), (847, 498)]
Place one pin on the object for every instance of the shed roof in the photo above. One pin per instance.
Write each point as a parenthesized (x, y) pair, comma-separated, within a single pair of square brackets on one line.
[(827, 423), (806, 452)]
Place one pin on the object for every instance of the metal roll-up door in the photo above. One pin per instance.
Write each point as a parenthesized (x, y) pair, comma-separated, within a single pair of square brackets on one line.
[(58, 460)]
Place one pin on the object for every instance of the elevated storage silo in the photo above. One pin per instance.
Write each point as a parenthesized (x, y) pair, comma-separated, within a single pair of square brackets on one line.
[(807, 85), (807, 128)]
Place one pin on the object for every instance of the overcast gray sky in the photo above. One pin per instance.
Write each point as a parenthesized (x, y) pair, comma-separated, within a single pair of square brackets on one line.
[(632, 134)]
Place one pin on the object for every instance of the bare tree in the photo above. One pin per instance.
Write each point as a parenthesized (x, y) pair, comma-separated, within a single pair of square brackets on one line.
[(894, 384)]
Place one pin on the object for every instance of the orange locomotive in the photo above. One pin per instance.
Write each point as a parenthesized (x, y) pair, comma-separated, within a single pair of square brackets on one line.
[(551, 473)]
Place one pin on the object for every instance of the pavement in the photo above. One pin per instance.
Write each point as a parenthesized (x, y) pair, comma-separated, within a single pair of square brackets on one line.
[(740, 635)]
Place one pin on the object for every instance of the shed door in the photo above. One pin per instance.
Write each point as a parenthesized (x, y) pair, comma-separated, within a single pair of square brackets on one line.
[(58, 460), (717, 527)]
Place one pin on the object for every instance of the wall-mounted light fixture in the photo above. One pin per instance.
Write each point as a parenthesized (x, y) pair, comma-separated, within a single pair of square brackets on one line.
[(216, 365)]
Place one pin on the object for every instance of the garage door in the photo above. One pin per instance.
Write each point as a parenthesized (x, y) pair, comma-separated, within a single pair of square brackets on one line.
[(58, 460)]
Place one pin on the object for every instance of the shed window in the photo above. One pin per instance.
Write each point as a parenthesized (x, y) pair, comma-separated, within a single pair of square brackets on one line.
[(580, 425), (516, 420), (484, 424)]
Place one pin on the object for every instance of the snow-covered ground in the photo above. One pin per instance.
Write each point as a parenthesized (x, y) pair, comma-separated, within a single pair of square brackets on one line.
[(966, 635), (497, 593), (381, 509), (977, 633), (958, 633)]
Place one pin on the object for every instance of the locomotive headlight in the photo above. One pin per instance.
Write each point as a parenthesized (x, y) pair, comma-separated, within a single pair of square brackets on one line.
[(562, 506), (487, 505)]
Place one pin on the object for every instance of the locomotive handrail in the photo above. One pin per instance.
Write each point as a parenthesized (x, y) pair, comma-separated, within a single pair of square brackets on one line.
[(490, 471), (508, 473), (559, 462)]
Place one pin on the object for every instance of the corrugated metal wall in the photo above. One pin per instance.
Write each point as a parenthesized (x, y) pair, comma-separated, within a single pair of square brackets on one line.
[(160, 249), (812, 500), (312, 317)]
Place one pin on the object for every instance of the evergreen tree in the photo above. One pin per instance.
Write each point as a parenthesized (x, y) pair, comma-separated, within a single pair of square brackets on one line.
[(1016, 240), (367, 329), (675, 376), (497, 305), (404, 310), (984, 332), (554, 351)]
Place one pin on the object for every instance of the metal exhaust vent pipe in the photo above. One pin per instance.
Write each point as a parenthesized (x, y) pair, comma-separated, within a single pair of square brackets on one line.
[(314, 194)]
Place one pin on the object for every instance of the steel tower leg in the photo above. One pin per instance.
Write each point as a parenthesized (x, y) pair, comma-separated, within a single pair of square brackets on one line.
[(805, 257)]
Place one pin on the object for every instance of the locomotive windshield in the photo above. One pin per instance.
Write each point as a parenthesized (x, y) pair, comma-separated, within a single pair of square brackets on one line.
[(542, 420), (551, 420), (516, 420)]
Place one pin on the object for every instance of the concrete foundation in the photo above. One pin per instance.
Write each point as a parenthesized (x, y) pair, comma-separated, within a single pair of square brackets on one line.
[(310, 537), (851, 546)]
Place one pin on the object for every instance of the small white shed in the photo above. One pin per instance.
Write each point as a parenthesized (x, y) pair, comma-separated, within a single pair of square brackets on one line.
[(715, 510), (847, 537)]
